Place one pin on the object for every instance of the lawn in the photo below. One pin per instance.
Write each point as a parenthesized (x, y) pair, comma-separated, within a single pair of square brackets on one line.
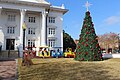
[(69, 69)]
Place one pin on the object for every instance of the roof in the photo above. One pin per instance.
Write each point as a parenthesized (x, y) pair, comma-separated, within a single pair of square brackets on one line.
[(35, 1), (29, 2), (38, 3), (58, 8)]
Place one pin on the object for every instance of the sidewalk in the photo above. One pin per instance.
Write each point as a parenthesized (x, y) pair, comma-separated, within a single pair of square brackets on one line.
[(8, 69)]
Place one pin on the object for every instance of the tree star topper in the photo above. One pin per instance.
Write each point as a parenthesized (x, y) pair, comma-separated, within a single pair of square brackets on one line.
[(87, 5)]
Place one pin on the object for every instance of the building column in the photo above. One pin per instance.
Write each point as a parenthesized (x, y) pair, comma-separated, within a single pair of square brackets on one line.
[(43, 29), (2, 41), (22, 17), (0, 14)]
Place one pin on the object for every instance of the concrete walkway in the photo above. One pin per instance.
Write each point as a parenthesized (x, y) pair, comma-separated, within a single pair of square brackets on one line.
[(8, 69)]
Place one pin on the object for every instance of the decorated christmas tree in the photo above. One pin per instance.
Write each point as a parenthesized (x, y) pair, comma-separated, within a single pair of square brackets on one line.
[(88, 48)]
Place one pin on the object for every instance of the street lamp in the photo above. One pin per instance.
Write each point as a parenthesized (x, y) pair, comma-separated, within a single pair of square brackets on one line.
[(24, 28)]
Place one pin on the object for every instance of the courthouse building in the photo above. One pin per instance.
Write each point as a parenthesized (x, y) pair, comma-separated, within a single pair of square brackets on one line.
[(43, 23)]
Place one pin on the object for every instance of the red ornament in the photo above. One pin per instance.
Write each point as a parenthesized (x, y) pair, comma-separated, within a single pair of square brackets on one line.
[(93, 41), (84, 25), (86, 39), (92, 49), (82, 43), (79, 53), (92, 24), (78, 46), (92, 30), (95, 56), (97, 45), (87, 32), (98, 52), (100, 57), (86, 45), (82, 59), (86, 53)]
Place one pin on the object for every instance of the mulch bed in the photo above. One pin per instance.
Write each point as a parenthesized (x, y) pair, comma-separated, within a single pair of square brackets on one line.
[(7, 69)]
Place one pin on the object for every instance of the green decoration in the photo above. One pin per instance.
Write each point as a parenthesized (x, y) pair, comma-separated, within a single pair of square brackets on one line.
[(88, 48)]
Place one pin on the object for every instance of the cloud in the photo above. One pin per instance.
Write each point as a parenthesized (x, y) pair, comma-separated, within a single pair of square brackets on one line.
[(112, 20)]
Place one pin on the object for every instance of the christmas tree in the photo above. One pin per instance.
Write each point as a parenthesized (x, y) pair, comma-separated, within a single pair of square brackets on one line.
[(88, 48)]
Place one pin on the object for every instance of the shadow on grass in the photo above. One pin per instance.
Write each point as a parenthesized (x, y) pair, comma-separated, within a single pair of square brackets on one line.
[(106, 58), (66, 71)]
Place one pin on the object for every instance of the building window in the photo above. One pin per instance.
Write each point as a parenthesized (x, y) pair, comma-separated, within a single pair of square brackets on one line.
[(31, 43), (51, 31), (31, 30), (51, 42), (10, 30), (11, 18), (51, 19), (31, 19)]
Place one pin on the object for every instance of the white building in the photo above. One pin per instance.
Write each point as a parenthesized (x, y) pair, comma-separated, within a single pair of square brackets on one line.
[(35, 13)]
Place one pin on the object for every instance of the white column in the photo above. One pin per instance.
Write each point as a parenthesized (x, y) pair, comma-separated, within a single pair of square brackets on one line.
[(22, 16), (0, 14), (22, 12), (43, 29)]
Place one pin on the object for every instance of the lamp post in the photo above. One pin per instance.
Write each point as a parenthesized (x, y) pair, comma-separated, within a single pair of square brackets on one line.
[(24, 28)]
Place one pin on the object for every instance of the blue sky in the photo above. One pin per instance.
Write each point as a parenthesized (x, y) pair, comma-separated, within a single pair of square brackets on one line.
[(105, 15)]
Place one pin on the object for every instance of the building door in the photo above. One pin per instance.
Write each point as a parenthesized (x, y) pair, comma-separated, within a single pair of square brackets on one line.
[(10, 43)]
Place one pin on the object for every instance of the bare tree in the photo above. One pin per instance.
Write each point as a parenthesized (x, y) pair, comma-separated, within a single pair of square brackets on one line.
[(108, 40)]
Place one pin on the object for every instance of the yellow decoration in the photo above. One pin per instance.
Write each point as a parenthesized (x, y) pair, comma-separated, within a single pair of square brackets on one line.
[(69, 52), (44, 50)]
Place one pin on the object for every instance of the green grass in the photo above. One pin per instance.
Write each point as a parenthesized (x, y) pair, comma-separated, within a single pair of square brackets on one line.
[(69, 69)]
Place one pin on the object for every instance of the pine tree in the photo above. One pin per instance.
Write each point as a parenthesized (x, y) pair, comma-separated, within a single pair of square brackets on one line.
[(88, 48)]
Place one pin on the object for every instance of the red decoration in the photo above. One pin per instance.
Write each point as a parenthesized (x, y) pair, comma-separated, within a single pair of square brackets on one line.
[(95, 56), (97, 45), (92, 24), (79, 53), (87, 32), (85, 26), (91, 42), (86, 45), (92, 30), (98, 52), (86, 39), (92, 49), (86, 53), (82, 59), (100, 57), (78, 46), (82, 43)]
